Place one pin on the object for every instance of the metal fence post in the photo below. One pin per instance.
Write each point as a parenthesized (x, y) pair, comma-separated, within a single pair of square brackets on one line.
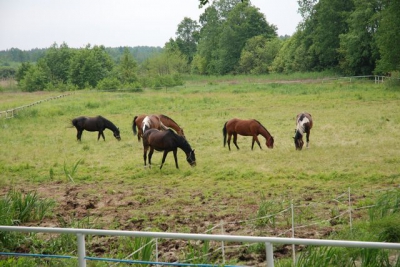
[(270, 254), (81, 250)]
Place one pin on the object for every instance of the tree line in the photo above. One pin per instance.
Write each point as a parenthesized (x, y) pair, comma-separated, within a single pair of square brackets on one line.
[(351, 37)]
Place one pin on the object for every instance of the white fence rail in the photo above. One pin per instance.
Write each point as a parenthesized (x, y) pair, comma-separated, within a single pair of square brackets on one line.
[(268, 241), (10, 113)]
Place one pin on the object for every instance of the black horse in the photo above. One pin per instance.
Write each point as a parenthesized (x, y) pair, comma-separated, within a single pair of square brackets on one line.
[(166, 141), (94, 124)]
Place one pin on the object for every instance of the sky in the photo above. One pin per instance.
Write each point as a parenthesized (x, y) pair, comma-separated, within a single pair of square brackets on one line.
[(29, 24)]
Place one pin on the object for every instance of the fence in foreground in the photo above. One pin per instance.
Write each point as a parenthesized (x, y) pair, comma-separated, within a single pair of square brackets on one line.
[(268, 241)]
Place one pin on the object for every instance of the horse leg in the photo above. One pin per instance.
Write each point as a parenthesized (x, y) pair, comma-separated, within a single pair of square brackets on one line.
[(229, 141), (235, 140), (163, 158), (102, 134), (79, 134), (255, 138), (150, 155), (139, 134), (176, 158), (307, 138), (145, 155)]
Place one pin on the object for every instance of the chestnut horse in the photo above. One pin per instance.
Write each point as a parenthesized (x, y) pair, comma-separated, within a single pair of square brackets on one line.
[(152, 122), (166, 141), (167, 121), (246, 128), (304, 123), (93, 124)]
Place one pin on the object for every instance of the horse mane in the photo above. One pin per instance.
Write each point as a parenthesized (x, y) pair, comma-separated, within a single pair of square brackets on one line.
[(182, 141), (262, 126), (109, 124), (166, 117)]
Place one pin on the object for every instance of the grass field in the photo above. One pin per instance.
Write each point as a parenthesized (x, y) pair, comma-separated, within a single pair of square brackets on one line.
[(354, 144)]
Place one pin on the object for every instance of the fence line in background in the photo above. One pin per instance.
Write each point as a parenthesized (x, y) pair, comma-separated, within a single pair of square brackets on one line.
[(10, 113)]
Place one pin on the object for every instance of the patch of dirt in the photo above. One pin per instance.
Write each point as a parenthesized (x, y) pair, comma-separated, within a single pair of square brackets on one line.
[(114, 209)]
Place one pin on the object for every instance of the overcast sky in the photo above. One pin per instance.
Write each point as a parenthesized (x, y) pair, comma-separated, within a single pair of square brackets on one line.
[(27, 24)]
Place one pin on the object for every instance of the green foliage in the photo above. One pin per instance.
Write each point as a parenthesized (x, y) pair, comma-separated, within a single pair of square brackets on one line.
[(89, 66), (127, 68), (258, 54), (109, 83), (35, 79), (388, 37), (358, 51)]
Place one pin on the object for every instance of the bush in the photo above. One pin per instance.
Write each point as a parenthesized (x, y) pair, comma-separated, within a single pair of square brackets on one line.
[(109, 84)]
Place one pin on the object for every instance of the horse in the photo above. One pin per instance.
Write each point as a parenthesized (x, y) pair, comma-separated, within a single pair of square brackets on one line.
[(93, 124), (304, 123), (246, 128), (165, 120), (166, 141)]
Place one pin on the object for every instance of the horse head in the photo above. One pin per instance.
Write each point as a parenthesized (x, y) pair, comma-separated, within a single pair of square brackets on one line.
[(270, 142), (298, 141), (116, 134), (191, 158)]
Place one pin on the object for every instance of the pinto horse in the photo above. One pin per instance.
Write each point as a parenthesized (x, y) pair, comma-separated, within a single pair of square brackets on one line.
[(246, 128), (165, 120), (93, 124), (304, 124), (166, 141)]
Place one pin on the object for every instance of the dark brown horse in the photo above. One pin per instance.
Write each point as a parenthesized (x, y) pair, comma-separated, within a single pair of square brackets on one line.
[(167, 121), (304, 123), (246, 128), (166, 141), (94, 124)]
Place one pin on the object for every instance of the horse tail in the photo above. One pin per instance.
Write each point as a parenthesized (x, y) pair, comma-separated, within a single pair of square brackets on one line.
[(134, 125), (224, 133)]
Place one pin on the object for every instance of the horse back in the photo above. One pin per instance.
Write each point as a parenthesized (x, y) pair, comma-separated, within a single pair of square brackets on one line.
[(242, 127), (301, 116)]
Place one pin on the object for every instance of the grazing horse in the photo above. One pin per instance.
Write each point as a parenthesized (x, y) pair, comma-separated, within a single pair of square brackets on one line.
[(93, 124), (166, 141), (304, 124), (165, 120), (246, 128)]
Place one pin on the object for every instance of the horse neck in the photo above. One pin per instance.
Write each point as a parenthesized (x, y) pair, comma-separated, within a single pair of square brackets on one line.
[(183, 144), (264, 132), (167, 121), (109, 125)]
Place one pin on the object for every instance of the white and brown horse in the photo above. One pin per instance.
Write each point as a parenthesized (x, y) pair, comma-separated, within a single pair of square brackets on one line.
[(304, 123)]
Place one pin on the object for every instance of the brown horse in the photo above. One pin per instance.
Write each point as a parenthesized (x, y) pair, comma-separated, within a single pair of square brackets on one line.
[(246, 128), (152, 122), (304, 123), (166, 141), (93, 124), (167, 121)]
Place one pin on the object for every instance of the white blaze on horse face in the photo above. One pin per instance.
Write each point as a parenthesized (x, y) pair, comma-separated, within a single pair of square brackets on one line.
[(146, 123), (300, 125)]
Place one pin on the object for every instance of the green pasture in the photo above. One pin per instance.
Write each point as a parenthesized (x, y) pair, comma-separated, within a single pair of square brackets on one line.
[(354, 144)]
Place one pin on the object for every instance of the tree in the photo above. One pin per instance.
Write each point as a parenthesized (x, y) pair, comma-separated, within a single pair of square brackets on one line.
[(388, 38), (58, 59), (89, 66), (358, 50), (258, 54), (127, 68), (187, 37), (331, 21)]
